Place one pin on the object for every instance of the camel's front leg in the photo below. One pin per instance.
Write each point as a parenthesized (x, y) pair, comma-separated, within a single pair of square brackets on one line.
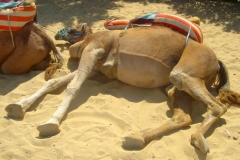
[(89, 58), (181, 118), (17, 110)]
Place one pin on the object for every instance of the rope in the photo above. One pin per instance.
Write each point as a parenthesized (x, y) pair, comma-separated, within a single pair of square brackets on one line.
[(124, 31), (10, 29), (46, 28), (187, 38)]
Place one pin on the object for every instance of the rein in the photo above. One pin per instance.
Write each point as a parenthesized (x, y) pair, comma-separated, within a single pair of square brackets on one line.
[(46, 28)]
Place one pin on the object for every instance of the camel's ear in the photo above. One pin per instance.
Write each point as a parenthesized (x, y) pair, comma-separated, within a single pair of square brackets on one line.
[(83, 27)]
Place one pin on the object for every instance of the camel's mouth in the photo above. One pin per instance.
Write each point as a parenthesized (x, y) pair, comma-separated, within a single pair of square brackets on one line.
[(58, 36)]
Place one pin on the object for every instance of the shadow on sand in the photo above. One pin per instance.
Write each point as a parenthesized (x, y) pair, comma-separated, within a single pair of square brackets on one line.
[(219, 12)]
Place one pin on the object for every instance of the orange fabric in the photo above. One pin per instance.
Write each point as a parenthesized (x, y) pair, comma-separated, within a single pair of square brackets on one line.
[(28, 8), (183, 21)]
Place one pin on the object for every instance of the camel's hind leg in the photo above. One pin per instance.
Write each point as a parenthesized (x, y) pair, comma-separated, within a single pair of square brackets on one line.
[(31, 47), (191, 75), (181, 118), (42, 64), (23, 58), (17, 110), (215, 110)]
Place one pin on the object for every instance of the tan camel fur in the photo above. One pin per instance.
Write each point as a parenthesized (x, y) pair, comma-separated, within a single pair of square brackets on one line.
[(30, 50), (147, 57)]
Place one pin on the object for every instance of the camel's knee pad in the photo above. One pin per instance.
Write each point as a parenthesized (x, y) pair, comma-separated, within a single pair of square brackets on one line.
[(176, 78)]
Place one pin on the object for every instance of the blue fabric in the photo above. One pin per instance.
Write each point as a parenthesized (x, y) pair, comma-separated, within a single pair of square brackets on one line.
[(149, 16), (10, 4)]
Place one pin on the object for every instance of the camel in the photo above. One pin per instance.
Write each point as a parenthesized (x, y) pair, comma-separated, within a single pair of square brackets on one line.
[(28, 49), (147, 57)]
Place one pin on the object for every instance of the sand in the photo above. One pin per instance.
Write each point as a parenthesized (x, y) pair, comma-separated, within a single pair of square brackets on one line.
[(105, 111)]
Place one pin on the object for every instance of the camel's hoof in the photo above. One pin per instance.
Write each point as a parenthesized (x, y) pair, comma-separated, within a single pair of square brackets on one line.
[(133, 142), (15, 111), (48, 129), (200, 142)]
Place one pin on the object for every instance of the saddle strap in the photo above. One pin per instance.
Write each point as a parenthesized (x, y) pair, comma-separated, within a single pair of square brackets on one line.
[(10, 29)]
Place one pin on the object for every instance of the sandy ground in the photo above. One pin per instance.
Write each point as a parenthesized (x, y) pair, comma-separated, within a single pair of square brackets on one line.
[(104, 112)]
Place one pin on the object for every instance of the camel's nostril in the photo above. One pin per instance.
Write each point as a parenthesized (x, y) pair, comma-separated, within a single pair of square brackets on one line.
[(58, 36)]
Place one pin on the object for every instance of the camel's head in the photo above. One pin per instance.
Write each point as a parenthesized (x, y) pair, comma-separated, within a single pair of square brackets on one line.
[(73, 35)]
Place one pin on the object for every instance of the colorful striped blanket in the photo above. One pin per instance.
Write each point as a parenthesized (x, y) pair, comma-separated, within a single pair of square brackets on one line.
[(13, 15), (177, 23)]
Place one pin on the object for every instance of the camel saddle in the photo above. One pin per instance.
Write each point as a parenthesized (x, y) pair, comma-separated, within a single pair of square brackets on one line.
[(13, 15)]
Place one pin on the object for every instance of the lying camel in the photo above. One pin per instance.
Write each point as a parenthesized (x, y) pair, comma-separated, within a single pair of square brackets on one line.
[(147, 57), (28, 49)]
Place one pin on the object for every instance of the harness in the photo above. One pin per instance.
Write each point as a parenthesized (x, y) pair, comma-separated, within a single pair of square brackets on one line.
[(65, 31), (186, 41)]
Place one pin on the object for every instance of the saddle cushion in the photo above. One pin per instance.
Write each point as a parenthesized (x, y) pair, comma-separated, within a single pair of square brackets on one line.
[(13, 19), (177, 23)]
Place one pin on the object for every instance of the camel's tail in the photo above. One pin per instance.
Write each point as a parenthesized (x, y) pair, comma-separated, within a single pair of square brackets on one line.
[(226, 95), (53, 66), (56, 65)]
